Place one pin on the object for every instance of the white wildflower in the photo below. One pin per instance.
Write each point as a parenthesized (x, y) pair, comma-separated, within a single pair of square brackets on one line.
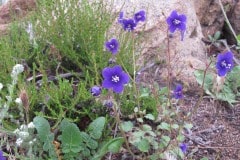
[(169, 156), (1, 86), (23, 134), (19, 141), (17, 69), (18, 101), (30, 142), (31, 125), (16, 131), (23, 127), (30, 32)]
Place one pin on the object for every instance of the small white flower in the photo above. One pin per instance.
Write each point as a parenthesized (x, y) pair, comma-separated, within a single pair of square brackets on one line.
[(23, 127), (18, 101), (19, 141), (16, 131), (169, 156), (1, 86), (31, 125), (30, 142), (23, 134), (17, 69)]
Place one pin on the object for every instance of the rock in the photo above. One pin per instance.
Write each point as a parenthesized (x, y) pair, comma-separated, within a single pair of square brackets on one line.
[(16, 9), (210, 14), (184, 54), (234, 19)]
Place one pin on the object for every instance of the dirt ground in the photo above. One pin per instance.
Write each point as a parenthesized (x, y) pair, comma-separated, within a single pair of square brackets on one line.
[(216, 131)]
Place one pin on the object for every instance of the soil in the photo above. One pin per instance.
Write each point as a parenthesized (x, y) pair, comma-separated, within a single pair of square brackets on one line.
[(216, 131)]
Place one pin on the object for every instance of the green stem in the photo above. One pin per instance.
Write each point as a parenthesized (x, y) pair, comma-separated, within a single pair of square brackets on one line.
[(227, 21)]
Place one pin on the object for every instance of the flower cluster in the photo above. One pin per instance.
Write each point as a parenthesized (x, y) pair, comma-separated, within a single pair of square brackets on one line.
[(224, 63), (177, 21), (177, 93), (131, 23)]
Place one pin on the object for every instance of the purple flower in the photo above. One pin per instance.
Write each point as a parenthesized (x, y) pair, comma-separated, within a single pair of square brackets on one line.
[(128, 24), (177, 93), (183, 147), (224, 63), (120, 18), (1, 156), (114, 78), (108, 104), (176, 21), (112, 46), (96, 90), (140, 16)]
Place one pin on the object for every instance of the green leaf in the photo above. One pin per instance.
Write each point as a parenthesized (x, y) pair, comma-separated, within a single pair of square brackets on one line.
[(143, 145), (44, 134), (217, 35), (208, 82), (96, 127), (112, 145), (71, 137), (204, 158), (127, 126), (188, 125), (146, 127), (91, 143), (175, 126), (145, 92), (164, 126), (140, 120), (150, 117), (164, 141)]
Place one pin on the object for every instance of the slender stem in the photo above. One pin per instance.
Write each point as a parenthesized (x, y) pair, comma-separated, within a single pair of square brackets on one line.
[(202, 92), (226, 18), (169, 69), (117, 110)]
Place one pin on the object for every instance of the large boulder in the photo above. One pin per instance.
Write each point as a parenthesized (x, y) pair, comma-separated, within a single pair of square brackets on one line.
[(14, 9), (186, 55)]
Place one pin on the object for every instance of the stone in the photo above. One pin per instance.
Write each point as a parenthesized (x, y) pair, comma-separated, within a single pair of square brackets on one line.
[(186, 55), (16, 9), (211, 16)]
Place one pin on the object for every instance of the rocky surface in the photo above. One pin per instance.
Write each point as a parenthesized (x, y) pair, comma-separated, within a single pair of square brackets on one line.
[(184, 54), (14, 9)]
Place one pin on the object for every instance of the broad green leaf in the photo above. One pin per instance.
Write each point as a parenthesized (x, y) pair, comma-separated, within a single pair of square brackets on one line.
[(91, 143), (44, 134), (146, 127), (71, 138), (96, 127), (204, 158), (150, 117), (175, 126), (112, 145), (208, 82), (42, 126), (164, 141), (127, 126), (164, 126), (188, 125), (143, 145)]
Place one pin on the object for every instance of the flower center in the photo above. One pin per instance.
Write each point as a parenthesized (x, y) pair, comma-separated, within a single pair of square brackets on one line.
[(176, 21), (112, 46), (225, 65), (115, 79)]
